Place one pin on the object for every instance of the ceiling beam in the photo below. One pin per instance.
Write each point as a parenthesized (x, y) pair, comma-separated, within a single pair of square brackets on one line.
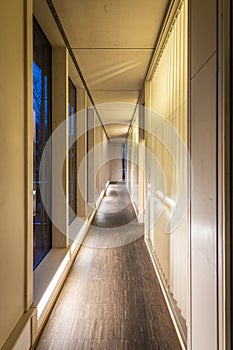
[(113, 48)]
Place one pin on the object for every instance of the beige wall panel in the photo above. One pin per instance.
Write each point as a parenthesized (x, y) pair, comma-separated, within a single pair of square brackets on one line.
[(60, 115), (162, 242), (12, 174), (90, 158), (81, 153), (203, 30), (203, 209), (166, 94), (116, 161)]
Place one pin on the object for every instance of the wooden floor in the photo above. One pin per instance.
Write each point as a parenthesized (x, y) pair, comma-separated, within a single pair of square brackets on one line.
[(111, 300)]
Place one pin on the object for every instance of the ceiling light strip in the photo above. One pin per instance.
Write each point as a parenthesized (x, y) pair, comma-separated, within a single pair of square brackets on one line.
[(66, 41)]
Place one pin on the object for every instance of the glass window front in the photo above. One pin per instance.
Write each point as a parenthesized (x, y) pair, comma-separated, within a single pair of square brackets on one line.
[(42, 130), (72, 152), (123, 162)]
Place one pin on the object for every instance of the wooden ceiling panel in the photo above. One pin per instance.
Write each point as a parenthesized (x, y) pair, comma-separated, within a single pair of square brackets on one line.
[(113, 23), (114, 69), (105, 96)]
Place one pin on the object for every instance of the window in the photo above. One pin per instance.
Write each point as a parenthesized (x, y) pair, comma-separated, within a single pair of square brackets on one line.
[(123, 162), (42, 130), (72, 152)]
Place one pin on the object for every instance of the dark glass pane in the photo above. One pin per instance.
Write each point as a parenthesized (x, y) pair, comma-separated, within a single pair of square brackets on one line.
[(231, 198), (72, 151), (123, 162), (42, 131)]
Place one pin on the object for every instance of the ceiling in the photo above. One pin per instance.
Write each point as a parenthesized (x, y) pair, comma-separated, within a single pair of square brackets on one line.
[(113, 41)]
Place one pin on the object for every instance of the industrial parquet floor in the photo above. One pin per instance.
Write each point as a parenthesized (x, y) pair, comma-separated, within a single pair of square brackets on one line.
[(111, 298)]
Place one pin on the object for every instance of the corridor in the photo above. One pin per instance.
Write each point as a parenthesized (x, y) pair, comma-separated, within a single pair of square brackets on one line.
[(116, 174), (111, 298)]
